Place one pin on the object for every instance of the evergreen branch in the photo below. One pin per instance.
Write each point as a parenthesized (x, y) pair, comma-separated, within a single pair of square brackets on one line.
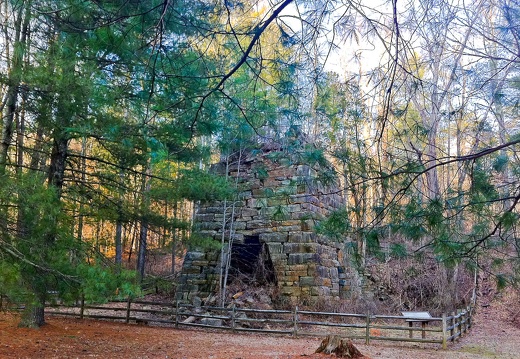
[(257, 31), (242, 111), (125, 168), (443, 161), (498, 225), (416, 174), (9, 249)]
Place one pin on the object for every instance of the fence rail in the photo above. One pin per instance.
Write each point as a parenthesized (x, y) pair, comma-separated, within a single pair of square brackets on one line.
[(295, 322)]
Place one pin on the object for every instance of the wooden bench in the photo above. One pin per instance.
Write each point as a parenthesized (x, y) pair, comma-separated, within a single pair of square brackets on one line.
[(417, 317)]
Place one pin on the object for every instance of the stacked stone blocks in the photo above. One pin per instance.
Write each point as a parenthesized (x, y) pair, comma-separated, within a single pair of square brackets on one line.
[(280, 205)]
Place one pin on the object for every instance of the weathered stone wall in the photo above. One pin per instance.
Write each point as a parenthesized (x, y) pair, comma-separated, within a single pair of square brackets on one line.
[(280, 204)]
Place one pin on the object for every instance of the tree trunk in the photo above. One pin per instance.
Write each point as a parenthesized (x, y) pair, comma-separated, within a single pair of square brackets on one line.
[(342, 348), (83, 183), (143, 232), (133, 231), (141, 255), (174, 238), (432, 176), (58, 162), (118, 242), (37, 159), (119, 222), (14, 81), (20, 136), (33, 315)]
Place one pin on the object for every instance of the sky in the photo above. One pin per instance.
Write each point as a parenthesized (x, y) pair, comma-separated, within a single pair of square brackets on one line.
[(345, 54)]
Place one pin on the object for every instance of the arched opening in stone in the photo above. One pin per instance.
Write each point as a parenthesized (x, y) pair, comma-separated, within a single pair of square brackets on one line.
[(251, 262)]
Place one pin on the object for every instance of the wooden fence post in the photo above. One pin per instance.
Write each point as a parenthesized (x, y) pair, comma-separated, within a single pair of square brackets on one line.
[(459, 319), (457, 324), (128, 306), (367, 332), (444, 332), (233, 316), (295, 322), (464, 322), (452, 330), (177, 314), (470, 312), (82, 308)]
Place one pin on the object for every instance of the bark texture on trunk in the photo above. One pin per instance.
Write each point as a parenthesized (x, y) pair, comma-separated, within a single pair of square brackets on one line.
[(143, 232), (58, 163), (33, 316), (341, 348)]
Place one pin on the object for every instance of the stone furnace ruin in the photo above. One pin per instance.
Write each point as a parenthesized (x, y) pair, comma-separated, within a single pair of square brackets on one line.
[(271, 229)]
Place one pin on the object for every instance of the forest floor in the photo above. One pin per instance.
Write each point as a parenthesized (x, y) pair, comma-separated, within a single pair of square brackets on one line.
[(491, 337)]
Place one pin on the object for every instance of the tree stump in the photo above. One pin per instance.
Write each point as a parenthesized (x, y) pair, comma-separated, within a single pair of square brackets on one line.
[(342, 348)]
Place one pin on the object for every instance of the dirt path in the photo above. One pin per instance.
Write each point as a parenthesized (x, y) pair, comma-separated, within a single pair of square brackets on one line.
[(73, 338)]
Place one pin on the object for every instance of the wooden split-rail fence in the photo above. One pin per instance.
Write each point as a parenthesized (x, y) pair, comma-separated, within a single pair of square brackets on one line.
[(368, 327)]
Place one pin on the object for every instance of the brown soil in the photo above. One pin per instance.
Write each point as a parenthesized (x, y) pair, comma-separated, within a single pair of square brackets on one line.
[(74, 338)]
